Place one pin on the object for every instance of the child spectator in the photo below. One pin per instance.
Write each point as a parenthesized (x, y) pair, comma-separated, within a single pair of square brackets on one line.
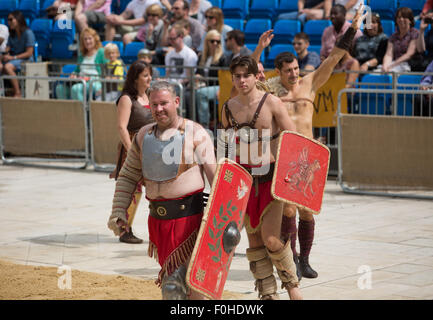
[(114, 69), (146, 56)]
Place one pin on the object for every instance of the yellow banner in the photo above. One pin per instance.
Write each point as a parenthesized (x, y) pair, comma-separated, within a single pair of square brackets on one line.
[(326, 101)]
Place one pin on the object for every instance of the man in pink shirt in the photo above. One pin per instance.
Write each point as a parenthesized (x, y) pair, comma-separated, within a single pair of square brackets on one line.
[(332, 34), (91, 12)]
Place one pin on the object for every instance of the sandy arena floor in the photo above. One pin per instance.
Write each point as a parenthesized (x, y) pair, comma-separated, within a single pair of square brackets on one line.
[(20, 282)]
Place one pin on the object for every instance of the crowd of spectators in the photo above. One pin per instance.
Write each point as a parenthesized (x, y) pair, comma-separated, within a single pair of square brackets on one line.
[(193, 33)]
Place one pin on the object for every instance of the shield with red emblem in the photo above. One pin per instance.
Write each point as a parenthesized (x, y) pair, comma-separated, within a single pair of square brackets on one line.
[(220, 229), (300, 172)]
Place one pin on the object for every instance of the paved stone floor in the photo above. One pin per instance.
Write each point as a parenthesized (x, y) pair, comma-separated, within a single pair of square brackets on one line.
[(365, 247)]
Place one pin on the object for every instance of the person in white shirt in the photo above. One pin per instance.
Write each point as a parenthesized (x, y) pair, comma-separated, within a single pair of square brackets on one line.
[(180, 56), (129, 21), (4, 35)]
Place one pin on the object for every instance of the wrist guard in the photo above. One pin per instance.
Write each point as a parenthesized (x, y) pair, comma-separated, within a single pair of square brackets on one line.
[(346, 40)]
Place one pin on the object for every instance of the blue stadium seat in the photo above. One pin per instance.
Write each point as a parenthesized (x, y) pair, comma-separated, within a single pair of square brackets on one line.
[(405, 101), (275, 50), (415, 5), (285, 30), (236, 8), (263, 9), (385, 8), (287, 6), (216, 3), (118, 43), (254, 29), (29, 8), (45, 4), (131, 50), (7, 6), (235, 23), (388, 27), (314, 47), (252, 47), (42, 30), (375, 103), (67, 69), (314, 29), (60, 38)]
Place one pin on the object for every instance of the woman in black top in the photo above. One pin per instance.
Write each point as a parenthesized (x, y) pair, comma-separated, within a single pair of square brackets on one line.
[(371, 47)]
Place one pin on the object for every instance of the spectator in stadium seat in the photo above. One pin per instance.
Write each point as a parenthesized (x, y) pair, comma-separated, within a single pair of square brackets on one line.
[(181, 56), (215, 20), (309, 10), (235, 42), (145, 55), (186, 25), (331, 35), (19, 48), (151, 32), (211, 56), (114, 70), (402, 43), (129, 21), (179, 11), (370, 48), (91, 13), (90, 59), (307, 60), (197, 9)]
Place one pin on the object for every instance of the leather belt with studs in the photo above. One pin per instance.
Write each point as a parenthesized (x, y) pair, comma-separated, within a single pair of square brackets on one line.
[(179, 208)]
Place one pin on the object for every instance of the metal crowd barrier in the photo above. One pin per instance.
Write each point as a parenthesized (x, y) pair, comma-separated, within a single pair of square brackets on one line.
[(189, 109), (44, 132), (386, 153)]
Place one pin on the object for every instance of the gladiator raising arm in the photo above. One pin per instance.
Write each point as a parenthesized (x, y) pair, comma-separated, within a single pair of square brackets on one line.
[(319, 77), (264, 41)]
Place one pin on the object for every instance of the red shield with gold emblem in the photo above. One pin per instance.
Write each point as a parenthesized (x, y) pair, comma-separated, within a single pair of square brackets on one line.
[(300, 172), (220, 229)]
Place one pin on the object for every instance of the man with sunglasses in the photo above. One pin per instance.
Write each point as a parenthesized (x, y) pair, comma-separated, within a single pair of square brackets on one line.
[(129, 21), (180, 11), (298, 95), (235, 43), (181, 56)]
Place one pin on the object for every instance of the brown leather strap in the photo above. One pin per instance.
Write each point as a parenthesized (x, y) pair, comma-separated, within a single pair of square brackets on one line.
[(259, 108), (232, 121)]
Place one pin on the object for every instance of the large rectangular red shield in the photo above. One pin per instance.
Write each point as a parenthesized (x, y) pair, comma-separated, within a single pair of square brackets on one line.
[(300, 172), (210, 263)]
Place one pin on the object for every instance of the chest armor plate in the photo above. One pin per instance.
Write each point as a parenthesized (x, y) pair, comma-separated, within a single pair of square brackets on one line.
[(160, 160)]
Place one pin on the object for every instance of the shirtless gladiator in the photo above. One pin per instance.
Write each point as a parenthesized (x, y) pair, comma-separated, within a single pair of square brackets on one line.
[(298, 95), (257, 119), (171, 156)]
